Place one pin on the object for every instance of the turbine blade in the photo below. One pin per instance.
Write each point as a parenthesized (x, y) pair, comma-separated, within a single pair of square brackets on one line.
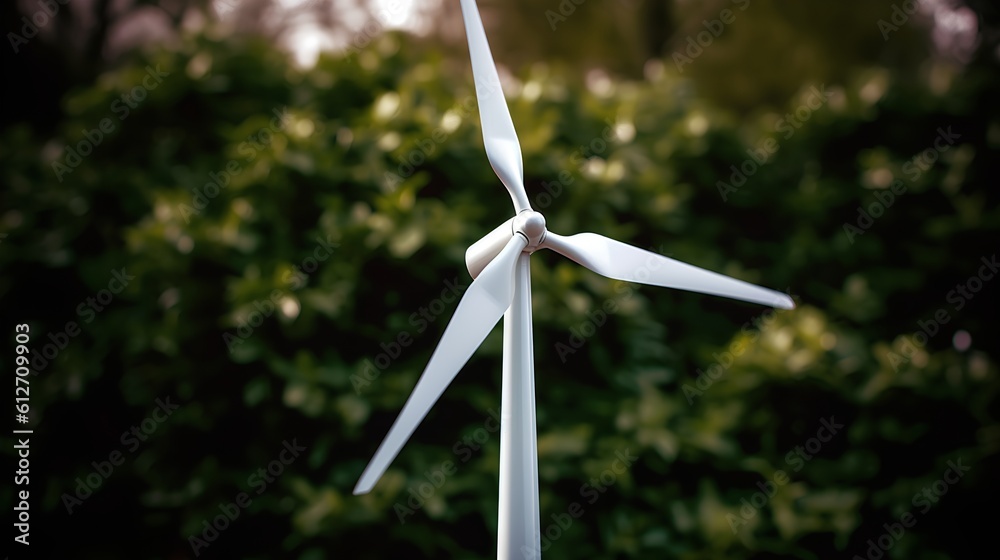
[(620, 261), (478, 312), (502, 147)]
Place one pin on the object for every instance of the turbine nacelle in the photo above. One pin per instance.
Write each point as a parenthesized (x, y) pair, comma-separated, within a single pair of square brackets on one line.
[(531, 225), (527, 223)]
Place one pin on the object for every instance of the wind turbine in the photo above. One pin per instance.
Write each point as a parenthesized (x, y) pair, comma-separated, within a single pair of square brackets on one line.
[(502, 288)]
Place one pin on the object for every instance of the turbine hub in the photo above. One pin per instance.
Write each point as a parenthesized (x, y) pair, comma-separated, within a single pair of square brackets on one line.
[(531, 224)]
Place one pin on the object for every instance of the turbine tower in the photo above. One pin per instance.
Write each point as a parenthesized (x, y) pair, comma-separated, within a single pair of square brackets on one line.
[(502, 288)]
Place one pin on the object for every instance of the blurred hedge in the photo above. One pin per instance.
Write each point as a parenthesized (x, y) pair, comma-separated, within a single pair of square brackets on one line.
[(336, 172)]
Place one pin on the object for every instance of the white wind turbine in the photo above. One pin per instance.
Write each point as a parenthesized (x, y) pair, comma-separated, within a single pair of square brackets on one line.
[(502, 287)]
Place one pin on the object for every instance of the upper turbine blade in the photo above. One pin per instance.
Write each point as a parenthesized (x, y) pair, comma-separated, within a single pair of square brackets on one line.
[(620, 261), (479, 311), (502, 148)]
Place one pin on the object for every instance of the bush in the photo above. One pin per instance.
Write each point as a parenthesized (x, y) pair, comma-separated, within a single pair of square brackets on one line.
[(273, 231)]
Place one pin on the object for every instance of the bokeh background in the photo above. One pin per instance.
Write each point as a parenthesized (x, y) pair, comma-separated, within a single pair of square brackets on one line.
[(198, 252)]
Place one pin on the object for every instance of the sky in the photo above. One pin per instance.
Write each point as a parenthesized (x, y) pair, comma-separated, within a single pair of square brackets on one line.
[(954, 26), (308, 39)]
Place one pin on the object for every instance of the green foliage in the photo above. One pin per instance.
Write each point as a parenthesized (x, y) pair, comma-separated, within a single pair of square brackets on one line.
[(381, 158)]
